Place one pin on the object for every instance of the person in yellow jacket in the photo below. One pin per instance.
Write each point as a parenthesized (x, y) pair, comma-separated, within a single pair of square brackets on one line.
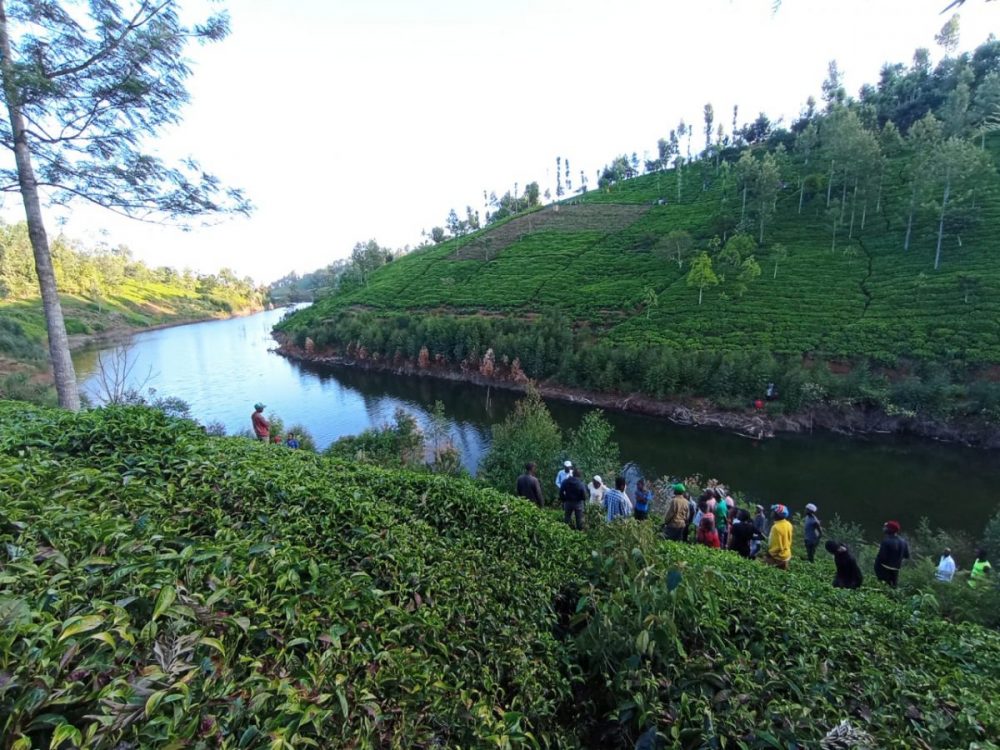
[(981, 570), (779, 543)]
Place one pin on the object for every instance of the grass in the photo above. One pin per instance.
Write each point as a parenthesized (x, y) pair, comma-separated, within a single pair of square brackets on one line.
[(159, 587)]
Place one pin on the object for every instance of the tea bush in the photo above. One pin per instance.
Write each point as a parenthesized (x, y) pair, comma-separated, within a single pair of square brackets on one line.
[(163, 588)]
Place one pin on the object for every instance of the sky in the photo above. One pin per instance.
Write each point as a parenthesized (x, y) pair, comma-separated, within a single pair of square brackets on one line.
[(346, 120)]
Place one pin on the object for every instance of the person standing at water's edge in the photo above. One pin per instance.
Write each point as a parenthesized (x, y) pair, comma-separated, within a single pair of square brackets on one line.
[(676, 519), (261, 427), (891, 554), (528, 485), (573, 493), (643, 498), (616, 503)]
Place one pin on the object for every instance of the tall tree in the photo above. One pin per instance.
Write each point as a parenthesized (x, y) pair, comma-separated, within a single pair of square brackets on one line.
[(709, 119), (701, 274), (923, 141), (85, 88), (677, 246), (948, 37)]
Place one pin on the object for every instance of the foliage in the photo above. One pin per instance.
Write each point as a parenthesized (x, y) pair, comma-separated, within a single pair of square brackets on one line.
[(592, 447), (161, 586), (397, 445), (528, 434)]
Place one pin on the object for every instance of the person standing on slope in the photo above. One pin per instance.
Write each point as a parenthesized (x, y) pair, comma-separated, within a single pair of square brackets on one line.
[(528, 485), (597, 489), (813, 532), (707, 533), (848, 573), (643, 498), (981, 570), (573, 493), (779, 543), (261, 427), (946, 567), (564, 473), (676, 519), (616, 503), (891, 554), (741, 534)]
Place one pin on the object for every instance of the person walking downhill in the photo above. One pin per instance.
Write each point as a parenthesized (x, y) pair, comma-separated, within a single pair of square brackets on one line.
[(848, 573), (573, 493), (813, 532), (981, 570), (261, 427), (891, 554), (676, 519), (946, 567), (528, 485), (643, 498), (616, 503), (779, 543)]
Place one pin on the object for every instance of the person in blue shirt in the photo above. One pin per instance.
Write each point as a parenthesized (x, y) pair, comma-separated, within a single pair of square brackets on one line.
[(616, 502), (292, 441), (813, 532), (643, 498)]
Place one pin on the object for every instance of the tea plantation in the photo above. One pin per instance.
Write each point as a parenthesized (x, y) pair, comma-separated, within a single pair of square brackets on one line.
[(162, 588)]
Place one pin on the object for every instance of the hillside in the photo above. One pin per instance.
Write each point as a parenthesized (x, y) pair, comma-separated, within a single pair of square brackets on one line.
[(850, 259), (161, 588)]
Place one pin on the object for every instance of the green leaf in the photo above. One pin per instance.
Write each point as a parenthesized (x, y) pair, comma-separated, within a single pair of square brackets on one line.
[(153, 701), (75, 625), (65, 733), (214, 643), (164, 599)]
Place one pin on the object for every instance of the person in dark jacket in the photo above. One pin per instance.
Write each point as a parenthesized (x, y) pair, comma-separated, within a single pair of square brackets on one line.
[(528, 485), (741, 533), (573, 494), (891, 554), (848, 573)]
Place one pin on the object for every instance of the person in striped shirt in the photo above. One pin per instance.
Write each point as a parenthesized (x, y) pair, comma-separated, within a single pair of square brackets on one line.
[(616, 502)]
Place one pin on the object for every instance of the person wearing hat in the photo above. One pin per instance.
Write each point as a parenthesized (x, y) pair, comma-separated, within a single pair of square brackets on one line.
[(779, 543), (848, 573), (676, 519), (891, 554), (261, 427), (564, 473), (813, 532), (946, 567), (597, 490)]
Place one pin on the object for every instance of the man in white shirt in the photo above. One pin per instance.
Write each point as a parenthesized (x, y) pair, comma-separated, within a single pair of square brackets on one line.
[(946, 568), (565, 471), (597, 490)]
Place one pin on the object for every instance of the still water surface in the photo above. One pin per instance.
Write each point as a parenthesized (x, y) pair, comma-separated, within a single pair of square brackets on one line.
[(222, 367)]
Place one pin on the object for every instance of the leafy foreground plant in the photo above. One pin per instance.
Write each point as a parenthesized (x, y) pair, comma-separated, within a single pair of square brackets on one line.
[(161, 588)]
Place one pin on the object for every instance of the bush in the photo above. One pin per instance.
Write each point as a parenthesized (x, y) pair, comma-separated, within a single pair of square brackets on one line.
[(398, 445), (592, 448)]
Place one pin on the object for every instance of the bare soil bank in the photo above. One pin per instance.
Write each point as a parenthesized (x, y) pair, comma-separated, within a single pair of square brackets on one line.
[(841, 419)]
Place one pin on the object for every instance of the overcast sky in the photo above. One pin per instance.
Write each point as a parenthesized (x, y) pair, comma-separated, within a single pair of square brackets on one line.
[(346, 120)]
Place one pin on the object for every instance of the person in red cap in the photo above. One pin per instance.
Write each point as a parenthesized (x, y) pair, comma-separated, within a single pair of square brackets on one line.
[(891, 554)]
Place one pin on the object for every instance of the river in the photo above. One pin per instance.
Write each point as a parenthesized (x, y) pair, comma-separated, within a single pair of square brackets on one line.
[(222, 367)]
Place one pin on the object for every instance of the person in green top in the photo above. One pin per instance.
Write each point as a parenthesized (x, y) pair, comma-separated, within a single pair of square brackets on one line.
[(722, 512), (981, 570)]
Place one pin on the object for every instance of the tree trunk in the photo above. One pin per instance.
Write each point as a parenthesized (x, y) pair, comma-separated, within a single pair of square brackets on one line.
[(701, 290), (843, 199), (864, 214), (878, 199), (854, 206), (62, 363), (743, 211), (944, 209), (909, 220), (829, 186), (775, 270), (802, 192)]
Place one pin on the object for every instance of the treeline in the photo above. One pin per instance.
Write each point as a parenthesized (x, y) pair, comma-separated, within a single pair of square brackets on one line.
[(553, 348), (102, 272)]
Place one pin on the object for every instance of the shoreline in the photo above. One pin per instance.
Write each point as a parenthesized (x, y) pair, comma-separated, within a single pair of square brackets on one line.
[(838, 419)]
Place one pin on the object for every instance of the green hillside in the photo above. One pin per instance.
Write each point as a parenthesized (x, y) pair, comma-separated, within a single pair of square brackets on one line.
[(823, 240), (162, 588)]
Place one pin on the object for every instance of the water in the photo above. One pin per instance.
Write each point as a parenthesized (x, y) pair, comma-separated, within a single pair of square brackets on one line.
[(221, 368)]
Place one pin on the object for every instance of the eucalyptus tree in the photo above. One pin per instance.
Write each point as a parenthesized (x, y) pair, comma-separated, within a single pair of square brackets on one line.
[(86, 86), (957, 168), (984, 114), (922, 142)]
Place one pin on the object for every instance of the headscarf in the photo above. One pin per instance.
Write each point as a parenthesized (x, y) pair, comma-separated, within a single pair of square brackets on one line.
[(892, 527), (811, 508), (779, 510)]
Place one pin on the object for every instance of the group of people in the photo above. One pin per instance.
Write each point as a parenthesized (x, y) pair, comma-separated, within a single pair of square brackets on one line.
[(262, 429), (715, 521)]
